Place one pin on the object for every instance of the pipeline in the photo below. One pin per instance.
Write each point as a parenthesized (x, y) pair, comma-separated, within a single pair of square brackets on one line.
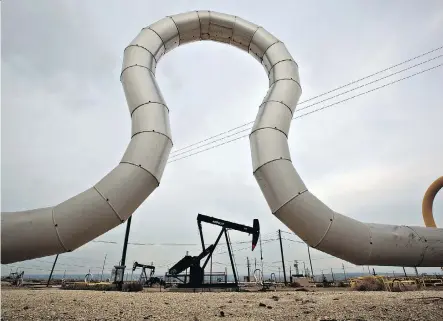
[(428, 202), (112, 200)]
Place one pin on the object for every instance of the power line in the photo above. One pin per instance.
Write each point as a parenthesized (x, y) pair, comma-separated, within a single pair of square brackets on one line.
[(165, 244), (174, 153), (180, 244), (287, 232), (316, 103), (246, 248), (110, 242), (314, 111), (371, 82), (295, 241)]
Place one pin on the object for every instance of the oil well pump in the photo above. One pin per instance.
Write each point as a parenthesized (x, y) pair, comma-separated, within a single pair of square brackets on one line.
[(196, 274), (144, 279)]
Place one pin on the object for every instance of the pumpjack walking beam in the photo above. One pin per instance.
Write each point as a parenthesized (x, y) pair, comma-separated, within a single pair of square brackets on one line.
[(254, 230)]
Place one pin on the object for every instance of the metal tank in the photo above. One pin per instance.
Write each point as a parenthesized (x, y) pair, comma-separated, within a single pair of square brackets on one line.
[(74, 222)]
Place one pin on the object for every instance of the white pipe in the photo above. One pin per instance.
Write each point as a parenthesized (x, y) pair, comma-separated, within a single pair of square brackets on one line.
[(68, 225)]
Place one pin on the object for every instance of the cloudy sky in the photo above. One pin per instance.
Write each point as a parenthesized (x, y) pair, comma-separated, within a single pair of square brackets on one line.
[(65, 122)]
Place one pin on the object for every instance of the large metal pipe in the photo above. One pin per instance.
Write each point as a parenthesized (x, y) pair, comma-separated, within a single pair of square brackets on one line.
[(428, 202), (70, 224)]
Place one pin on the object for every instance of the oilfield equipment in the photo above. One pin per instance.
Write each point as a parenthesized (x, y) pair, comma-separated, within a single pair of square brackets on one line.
[(391, 284), (428, 202), (118, 275), (143, 275), (112, 200), (196, 270), (144, 279), (15, 278), (264, 284)]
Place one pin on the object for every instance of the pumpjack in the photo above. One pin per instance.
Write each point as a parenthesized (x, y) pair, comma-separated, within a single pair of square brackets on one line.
[(144, 279), (196, 271), (15, 278)]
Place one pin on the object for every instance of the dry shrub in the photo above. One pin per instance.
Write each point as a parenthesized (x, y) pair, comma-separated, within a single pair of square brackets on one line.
[(368, 284), (91, 287), (127, 287), (132, 287), (396, 287), (341, 284), (295, 285), (402, 287)]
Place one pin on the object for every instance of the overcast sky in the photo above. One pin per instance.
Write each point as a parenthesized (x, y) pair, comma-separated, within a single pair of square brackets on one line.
[(65, 122)]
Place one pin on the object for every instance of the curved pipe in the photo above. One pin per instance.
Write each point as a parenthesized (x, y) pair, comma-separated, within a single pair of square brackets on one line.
[(70, 224), (428, 201)]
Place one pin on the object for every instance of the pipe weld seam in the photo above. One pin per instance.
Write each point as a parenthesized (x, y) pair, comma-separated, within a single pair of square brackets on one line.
[(149, 102), (233, 29), (136, 65), (276, 101), (56, 231), (178, 31), (200, 24), (109, 203), (153, 132), (163, 43), (331, 221), (139, 166), (291, 199), (413, 230), (268, 127), (283, 60), (422, 256), (371, 247), (286, 79), (270, 161), (140, 46), (425, 247), (201, 30), (264, 53), (250, 43)]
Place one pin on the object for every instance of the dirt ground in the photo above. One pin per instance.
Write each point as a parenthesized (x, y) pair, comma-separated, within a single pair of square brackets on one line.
[(55, 304)]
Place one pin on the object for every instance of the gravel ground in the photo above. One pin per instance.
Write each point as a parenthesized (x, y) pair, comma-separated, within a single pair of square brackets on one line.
[(55, 304)]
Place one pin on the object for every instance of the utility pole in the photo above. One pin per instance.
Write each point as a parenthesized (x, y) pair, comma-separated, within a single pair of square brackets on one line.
[(278, 274), (186, 271), (304, 269), (103, 268), (332, 275), (261, 258), (255, 263), (290, 274), (132, 272), (248, 265), (226, 274), (310, 262), (344, 271), (210, 272), (369, 270), (52, 270), (282, 258), (404, 271), (125, 247)]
